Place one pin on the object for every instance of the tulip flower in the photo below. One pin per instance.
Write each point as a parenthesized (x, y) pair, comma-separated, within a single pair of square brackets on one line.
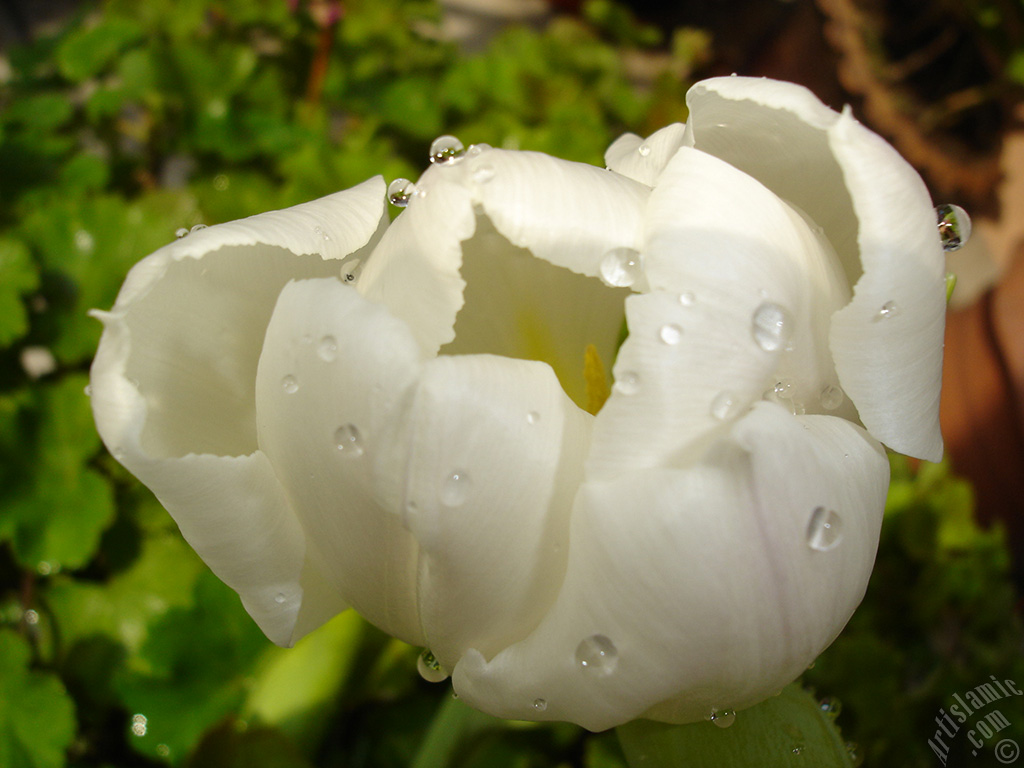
[(415, 420)]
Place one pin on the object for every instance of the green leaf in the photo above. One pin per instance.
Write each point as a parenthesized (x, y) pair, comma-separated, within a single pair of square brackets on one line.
[(57, 512), (86, 51), (18, 276), (233, 745), (37, 717), (774, 733)]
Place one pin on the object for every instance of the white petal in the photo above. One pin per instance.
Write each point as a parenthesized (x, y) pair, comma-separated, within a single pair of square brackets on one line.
[(568, 214), (643, 160), (496, 458), (333, 390), (174, 377), (877, 214), (720, 247), (701, 580)]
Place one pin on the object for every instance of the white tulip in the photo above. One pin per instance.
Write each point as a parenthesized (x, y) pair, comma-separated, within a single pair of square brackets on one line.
[(413, 445)]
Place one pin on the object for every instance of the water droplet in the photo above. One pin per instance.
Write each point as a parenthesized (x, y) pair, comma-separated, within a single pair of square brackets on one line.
[(88, 390), (532, 417), (430, 668), (671, 333), (320, 231), (954, 226), (831, 397), (84, 241), (221, 182), (725, 405), (454, 489), (327, 350), (830, 707), (400, 192), (196, 228), (44, 568), (628, 383), (540, 705), (476, 149), (181, 232), (31, 617), (483, 173), (687, 298), (796, 750), (854, 753), (723, 718), (597, 655), (824, 530), (621, 267), (139, 725), (163, 750), (446, 150), (771, 326), (643, 150), (290, 385), (348, 440), (279, 598), (888, 310), (784, 389), (350, 270)]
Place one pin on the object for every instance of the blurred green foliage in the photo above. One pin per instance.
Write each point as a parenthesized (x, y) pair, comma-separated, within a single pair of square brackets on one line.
[(117, 646)]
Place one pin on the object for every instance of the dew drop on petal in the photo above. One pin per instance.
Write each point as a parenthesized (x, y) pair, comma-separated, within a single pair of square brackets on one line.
[(540, 705), (954, 226), (687, 298), (621, 267), (88, 390), (320, 231), (725, 405), (289, 384), (446, 150), (279, 598), (628, 383), (771, 326), (430, 668), (400, 192), (181, 232), (831, 397), (476, 149), (455, 488), (824, 530), (597, 655), (197, 227), (723, 718), (644, 150), (784, 389), (483, 173), (889, 310), (671, 333), (327, 349), (532, 417), (348, 441)]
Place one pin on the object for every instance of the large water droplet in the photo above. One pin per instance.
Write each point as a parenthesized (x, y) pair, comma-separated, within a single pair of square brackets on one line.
[(723, 718), (430, 668), (831, 397), (540, 705), (446, 150), (628, 383), (889, 310), (400, 192), (824, 530), (455, 488), (621, 267), (289, 384), (644, 150), (671, 333), (181, 232), (348, 440), (327, 349), (771, 326), (197, 227), (954, 226), (597, 655), (725, 405)]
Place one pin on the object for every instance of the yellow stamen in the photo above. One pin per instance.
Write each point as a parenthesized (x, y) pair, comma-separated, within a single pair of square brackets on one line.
[(596, 380)]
